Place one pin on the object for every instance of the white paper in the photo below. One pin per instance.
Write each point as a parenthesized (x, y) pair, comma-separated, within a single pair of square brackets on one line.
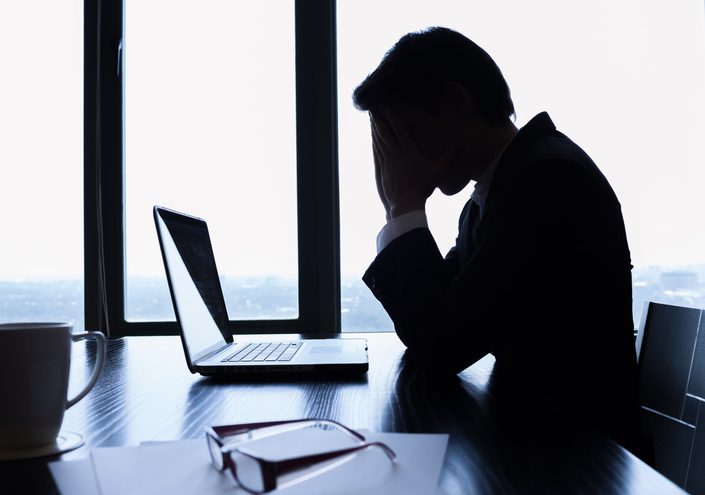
[(184, 467), (74, 476)]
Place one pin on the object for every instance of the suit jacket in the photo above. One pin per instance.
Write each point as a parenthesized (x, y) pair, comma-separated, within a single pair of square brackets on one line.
[(547, 289)]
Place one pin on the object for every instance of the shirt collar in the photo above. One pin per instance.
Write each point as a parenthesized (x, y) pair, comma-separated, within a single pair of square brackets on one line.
[(537, 127), (482, 186)]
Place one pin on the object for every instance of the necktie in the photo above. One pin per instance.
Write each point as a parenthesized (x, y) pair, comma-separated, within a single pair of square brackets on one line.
[(466, 235)]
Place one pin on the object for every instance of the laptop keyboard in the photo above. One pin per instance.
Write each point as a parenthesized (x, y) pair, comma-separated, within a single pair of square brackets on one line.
[(266, 351)]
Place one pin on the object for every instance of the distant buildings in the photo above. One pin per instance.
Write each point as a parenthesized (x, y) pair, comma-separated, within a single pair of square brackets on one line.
[(277, 298), (682, 287)]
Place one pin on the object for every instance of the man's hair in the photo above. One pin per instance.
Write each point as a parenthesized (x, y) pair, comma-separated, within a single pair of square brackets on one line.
[(417, 68)]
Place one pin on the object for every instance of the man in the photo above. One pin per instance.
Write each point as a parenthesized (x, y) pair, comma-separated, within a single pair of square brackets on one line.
[(540, 275)]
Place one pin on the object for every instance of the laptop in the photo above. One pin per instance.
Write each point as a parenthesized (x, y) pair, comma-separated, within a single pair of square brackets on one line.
[(202, 317)]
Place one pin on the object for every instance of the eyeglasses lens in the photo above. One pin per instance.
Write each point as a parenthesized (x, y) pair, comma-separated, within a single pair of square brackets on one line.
[(214, 450), (249, 472)]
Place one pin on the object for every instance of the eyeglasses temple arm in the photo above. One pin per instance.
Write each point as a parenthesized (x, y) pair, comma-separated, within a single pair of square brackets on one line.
[(224, 431), (288, 465)]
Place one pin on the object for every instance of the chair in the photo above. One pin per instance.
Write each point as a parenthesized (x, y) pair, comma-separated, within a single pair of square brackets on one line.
[(670, 350)]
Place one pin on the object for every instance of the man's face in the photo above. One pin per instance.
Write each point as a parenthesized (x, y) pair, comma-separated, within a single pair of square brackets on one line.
[(431, 132), (434, 133)]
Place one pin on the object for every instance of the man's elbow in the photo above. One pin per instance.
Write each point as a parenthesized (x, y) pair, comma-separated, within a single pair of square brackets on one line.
[(433, 362)]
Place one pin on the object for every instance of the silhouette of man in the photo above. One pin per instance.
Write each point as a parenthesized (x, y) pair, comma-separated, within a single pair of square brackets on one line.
[(540, 275)]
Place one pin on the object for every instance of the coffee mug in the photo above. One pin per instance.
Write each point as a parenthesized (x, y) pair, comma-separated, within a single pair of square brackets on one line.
[(34, 376)]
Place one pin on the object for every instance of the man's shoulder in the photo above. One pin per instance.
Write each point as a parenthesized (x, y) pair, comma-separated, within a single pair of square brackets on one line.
[(553, 163), (551, 179), (540, 146)]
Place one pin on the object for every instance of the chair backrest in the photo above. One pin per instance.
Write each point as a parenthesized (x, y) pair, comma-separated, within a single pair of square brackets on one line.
[(670, 349)]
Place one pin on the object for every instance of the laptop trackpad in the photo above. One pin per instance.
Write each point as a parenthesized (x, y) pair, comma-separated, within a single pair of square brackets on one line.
[(331, 349)]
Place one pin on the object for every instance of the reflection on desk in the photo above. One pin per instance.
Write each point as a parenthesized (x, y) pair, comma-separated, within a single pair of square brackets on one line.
[(146, 393)]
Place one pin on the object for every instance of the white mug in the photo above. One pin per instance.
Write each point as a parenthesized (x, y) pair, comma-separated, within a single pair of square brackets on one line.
[(34, 376)]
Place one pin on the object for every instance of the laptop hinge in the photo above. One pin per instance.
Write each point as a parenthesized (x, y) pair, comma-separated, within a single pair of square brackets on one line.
[(213, 353)]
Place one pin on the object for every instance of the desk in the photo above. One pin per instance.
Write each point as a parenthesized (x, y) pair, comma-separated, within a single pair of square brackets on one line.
[(146, 393)]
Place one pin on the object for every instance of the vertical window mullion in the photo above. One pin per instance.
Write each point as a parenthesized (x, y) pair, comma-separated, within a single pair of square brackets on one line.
[(92, 305), (103, 165), (317, 167)]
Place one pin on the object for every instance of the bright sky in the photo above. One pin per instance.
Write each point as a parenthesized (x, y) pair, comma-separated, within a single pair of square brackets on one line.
[(210, 126), (623, 79)]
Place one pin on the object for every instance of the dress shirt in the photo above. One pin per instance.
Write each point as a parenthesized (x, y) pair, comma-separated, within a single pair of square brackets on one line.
[(400, 225), (482, 186)]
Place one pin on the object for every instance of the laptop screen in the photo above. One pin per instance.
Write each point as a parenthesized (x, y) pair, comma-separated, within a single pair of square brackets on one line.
[(193, 280)]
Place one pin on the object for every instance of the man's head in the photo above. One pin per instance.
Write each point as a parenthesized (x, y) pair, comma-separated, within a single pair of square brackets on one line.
[(445, 89)]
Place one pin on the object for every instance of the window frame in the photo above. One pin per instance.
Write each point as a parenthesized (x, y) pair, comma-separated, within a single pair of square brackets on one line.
[(317, 176)]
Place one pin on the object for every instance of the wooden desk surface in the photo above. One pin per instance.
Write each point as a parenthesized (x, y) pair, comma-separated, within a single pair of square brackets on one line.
[(146, 393)]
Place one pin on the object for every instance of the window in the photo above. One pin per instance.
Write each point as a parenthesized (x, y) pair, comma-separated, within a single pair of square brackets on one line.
[(210, 130), (41, 193), (224, 110), (624, 80)]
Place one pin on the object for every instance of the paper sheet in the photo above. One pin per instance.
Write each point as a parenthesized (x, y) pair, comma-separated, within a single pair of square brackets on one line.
[(184, 467), (74, 477)]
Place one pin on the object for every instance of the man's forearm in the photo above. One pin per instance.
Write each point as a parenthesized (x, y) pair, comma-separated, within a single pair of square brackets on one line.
[(430, 309)]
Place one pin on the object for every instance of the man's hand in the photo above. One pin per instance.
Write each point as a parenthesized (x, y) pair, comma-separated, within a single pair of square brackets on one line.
[(405, 177), (377, 154)]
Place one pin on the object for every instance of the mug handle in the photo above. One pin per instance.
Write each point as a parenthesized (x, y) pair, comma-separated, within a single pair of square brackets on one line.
[(100, 347)]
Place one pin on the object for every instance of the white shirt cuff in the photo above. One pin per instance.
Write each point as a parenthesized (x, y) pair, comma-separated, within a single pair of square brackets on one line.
[(400, 225)]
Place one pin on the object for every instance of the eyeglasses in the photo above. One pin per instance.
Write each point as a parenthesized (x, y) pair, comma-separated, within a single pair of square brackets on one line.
[(258, 475)]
